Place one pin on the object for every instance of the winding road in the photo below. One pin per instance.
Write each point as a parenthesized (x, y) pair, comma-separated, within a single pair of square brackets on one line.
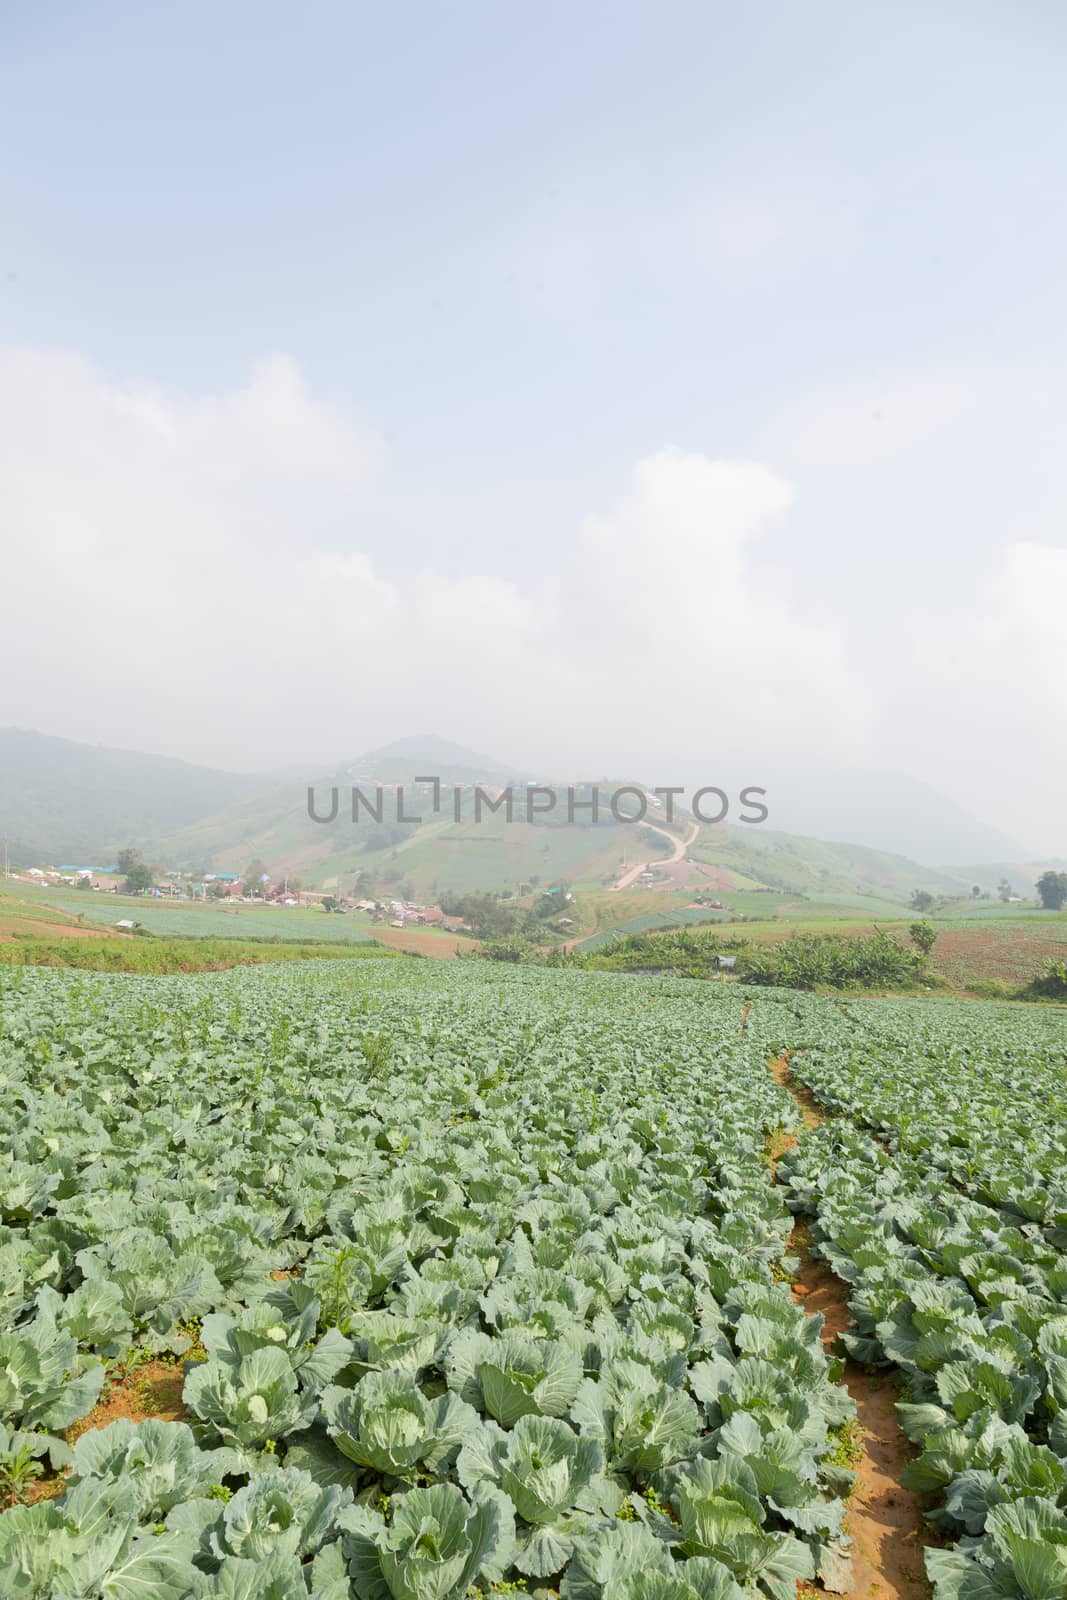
[(678, 852)]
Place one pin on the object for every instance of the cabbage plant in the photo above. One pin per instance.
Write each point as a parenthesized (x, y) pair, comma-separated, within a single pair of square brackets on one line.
[(512, 1376), (721, 1516), (642, 1423), (159, 1461), (89, 1545), (43, 1383), (1023, 1557), (434, 1546), (286, 1321), (386, 1424), (551, 1475), (280, 1510), (250, 1398)]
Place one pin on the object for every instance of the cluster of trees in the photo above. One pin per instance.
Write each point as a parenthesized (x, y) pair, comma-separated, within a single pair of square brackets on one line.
[(1051, 890), (807, 961), (136, 872), (1052, 887), (492, 917)]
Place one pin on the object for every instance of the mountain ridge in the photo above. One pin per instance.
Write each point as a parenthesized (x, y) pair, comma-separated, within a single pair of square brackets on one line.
[(61, 800)]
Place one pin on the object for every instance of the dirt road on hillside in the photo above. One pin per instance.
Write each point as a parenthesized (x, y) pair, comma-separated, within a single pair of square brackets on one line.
[(677, 854)]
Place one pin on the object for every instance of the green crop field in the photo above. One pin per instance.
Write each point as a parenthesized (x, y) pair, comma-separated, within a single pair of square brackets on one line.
[(683, 917), (996, 956), (160, 954), (407, 1280), (185, 919)]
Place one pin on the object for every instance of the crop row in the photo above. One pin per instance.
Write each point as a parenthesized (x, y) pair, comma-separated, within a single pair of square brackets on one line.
[(480, 1276), (981, 1092), (937, 1195)]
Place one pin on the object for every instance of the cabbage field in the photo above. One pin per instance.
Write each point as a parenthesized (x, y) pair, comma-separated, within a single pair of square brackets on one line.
[(477, 1280)]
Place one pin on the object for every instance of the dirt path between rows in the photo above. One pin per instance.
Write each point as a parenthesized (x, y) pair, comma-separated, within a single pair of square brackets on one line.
[(885, 1521)]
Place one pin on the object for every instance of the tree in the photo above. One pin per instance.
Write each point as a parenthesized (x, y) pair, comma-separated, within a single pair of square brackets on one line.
[(329, 903), (254, 874), (921, 901), (924, 936), (128, 859), (1052, 981), (138, 878), (1052, 887), (84, 882), (976, 890), (1004, 890), (485, 914)]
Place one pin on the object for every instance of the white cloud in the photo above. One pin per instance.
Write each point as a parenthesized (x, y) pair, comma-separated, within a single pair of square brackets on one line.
[(854, 426), (214, 576), (587, 231), (1018, 660), (984, 704), (198, 573), (710, 650)]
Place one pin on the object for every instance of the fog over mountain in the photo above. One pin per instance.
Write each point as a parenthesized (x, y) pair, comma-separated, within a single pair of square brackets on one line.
[(608, 397), (60, 799)]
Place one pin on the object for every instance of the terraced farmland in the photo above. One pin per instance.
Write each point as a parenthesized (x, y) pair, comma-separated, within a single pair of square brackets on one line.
[(407, 1280)]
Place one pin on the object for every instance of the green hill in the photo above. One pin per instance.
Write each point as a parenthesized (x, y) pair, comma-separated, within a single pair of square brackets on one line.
[(62, 801), (1022, 876), (439, 853), (67, 802), (814, 867), (443, 854)]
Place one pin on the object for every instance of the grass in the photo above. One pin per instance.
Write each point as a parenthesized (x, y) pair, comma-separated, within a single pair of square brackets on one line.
[(599, 911), (192, 920), (993, 959), (18, 919), (156, 955), (972, 954), (683, 917), (984, 950), (847, 1445), (433, 942)]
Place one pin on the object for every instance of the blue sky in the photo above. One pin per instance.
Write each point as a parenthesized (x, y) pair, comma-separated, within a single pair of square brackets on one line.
[(501, 257)]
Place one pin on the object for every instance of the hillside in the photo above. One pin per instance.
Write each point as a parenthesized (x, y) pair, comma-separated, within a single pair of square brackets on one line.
[(442, 854), (1021, 875), (815, 866), (62, 801), (65, 801), (890, 810), (406, 759)]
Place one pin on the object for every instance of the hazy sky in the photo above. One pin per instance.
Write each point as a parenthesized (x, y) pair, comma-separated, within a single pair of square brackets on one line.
[(602, 384)]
